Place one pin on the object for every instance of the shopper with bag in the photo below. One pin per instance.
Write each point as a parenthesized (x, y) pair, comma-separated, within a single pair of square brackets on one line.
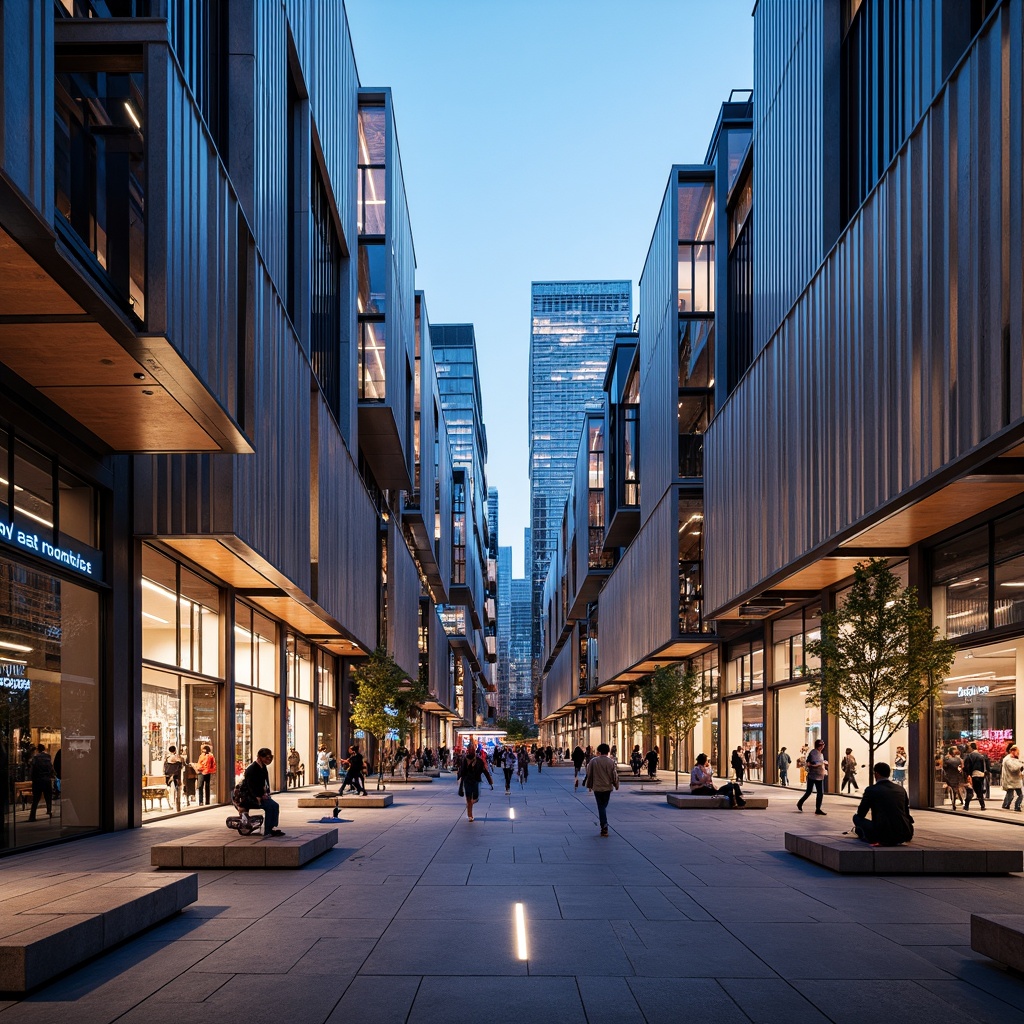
[(470, 773)]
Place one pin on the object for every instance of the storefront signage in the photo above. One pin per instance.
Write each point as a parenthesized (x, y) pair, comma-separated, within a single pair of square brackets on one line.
[(82, 560), (971, 691), (14, 677)]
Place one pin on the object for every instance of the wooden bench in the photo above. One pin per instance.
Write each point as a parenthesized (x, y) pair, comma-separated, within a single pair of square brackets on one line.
[(927, 854), (223, 848), (70, 918), (330, 802), (23, 793), (690, 802), (999, 936), (155, 788)]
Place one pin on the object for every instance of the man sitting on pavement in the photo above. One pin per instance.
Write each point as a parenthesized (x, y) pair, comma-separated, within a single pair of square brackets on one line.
[(890, 823)]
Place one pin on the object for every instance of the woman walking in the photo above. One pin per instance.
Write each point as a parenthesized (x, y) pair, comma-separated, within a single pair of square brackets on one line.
[(470, 773), (1010, 778)]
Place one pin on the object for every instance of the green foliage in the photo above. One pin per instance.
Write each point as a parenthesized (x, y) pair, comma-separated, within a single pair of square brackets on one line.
[(516, 730), (671, 702), (882, 661), (384, 698)]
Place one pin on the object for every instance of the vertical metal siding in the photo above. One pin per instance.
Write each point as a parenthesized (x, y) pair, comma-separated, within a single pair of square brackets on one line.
[(659, 358), (403, 602), (639, 602), (559, 686), (891, 366), (347, 570)]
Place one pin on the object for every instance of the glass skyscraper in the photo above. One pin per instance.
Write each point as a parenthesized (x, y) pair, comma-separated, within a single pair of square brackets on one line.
[(573, 325)]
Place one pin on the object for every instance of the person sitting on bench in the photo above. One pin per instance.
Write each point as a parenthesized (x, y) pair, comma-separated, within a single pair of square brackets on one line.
[(701, 784), (890, 823)]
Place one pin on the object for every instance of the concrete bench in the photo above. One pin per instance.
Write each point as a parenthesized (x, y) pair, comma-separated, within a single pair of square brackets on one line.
[(71, 918), (925, 855), (691, 802), (330, 802), (635, 780), (223, 848), (401, 780), (999, 936)]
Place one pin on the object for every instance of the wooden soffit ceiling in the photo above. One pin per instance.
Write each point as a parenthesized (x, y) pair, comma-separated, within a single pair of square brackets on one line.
[(244, 570), (134, 393)]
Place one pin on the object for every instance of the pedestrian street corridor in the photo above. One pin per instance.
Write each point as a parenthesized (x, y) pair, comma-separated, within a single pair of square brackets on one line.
[(676, 916)]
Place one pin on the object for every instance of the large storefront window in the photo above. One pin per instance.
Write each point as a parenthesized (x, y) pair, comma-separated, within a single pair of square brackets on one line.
[(745, 669), (980, 703), (301, 757), (745, 718), (182, 681), (798, 725), (49, 697), (257, 685), (327, 709)]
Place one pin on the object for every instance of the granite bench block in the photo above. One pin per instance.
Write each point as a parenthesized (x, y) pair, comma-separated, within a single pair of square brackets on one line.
[(925, 855), (1000, 937), (330, 802), (689, 801), (38, 943), (226, 849)]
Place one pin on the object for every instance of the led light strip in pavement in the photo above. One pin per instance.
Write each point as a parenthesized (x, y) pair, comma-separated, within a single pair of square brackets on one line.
[(521, 932)]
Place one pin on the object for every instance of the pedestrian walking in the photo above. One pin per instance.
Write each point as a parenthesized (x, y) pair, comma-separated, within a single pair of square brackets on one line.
[(41, 776), (953, 775), (817, 769), (472, 770), (652, 762), (509, 763), (737, 764), (976, 766), (782, 762), (577, 764), (849, 766), (1010, 778), (602, 777), (636, 760), (323, 765)]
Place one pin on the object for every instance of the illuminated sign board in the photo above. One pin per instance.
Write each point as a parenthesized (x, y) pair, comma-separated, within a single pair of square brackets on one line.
[(14, 677), (81, 559), (971, 691)]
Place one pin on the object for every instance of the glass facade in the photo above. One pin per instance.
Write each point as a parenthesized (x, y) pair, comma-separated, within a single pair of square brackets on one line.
[(573, 328), (49, 698), (257, 687)]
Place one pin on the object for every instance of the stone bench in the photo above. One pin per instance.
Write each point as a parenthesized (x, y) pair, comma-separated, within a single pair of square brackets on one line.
[(691, 802), (70, 918), (401, 780), (999, 936), (330, 802), (636, 780), (925, 855), (223, 848)]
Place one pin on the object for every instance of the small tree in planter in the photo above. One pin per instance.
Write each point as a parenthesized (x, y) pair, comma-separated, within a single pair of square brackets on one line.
[(379, 704), (882, 661), (671, 703)]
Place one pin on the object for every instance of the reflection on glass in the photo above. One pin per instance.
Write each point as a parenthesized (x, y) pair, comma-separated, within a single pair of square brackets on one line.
[(372, 356)]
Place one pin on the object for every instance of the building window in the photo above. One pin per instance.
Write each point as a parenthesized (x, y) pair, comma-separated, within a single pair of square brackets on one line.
[(372, 381), (696, 227), (50, 688), (691, 566), (257, 685), (371, 195), (100, 166), (326, 285), (459, 532)]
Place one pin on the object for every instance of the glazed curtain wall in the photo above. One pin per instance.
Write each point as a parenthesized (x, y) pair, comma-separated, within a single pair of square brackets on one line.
[(899, 357)]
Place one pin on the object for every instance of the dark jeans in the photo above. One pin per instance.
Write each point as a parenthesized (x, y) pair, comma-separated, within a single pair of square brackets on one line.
[(354, 781), (784, 777), (508, 778), (602, 806), (976, 788), (37, 792), (865, 829), (812, 784), (204, 788), (738, 769), (1007, 796), (849, 780), (272, 812)]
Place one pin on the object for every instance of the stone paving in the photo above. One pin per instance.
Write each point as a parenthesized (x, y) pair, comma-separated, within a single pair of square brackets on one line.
[(678, 915)]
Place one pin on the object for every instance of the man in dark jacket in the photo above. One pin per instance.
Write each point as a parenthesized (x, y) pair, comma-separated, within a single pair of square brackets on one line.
[(737, 763), (890, 823), (257, 782), (41, 774), (976, 766), (354, 775)]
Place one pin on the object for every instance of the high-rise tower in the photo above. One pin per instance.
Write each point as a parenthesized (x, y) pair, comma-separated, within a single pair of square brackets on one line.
[(572, 327)]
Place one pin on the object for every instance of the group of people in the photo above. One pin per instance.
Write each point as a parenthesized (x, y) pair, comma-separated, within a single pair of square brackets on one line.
[(183, 778), (966, 774), (747, 760), (638, 760)]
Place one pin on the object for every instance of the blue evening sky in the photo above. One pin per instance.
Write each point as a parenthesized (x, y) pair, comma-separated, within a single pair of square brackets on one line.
[(536, 140)]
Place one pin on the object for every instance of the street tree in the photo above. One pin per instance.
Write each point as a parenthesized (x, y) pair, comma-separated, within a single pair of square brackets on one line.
[(381, 702), (671, 704), (882, 661)]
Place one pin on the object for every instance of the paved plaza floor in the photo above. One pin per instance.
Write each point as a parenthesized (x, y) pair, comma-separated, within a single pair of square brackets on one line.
[(676, 916)]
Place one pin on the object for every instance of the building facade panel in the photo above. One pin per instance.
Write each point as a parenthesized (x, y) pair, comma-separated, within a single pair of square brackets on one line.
[(559, 685), (639, 603), (882, 392), (403, 602)]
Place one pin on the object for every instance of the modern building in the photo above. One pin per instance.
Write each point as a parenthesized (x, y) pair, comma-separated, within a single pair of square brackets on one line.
[(225, 474), (629, 550), (470, 615), (572, 327), (504, 630), (520, 662), (884, 386)]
